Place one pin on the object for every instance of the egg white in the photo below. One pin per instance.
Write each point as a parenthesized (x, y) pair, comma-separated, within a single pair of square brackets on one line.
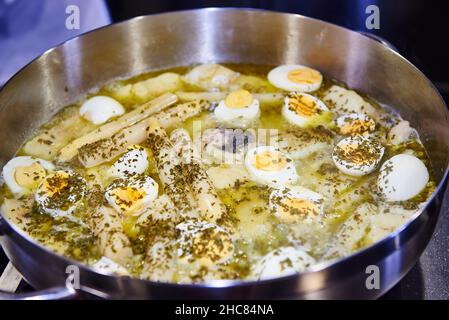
[(22, 161), (354, 169), (146, 184), (295, 192), (298, 119), (281, 262), (100, 109), (73, 196), (402, 177), (220, 247), (273, 178), (279, 78), (343, 120), (134, 161), (237, 117)]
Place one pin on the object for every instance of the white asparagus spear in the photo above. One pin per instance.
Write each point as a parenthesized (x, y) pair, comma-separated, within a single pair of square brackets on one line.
[(160, 260), (264, 98), (170, 170), (47, 143), (107, 149), (107, 130), (166, 82), (211, 76), (146, 89), (185, 96), (210, 206), (106, 224), (161, 256)]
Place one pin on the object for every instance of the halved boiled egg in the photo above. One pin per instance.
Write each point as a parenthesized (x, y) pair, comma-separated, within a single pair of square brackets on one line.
[(295, 78), (237, 109), (296, 204), (355, 123), (205, 242), (133, 195), (267, 165), (357, 156), (100, 109), (402, 177), (60, 192), (305, 110), (281, 262), (134, 161), (23, 174)]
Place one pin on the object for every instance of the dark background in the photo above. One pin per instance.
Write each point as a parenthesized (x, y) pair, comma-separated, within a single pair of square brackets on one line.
[(418, 28)]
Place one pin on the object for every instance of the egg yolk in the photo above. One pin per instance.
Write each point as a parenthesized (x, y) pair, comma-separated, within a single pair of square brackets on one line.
[(303, 105), (357, 126), (54, 184), (129, 199), (238, 99), (61, 190), (269, 161), (294, 210), (29, 176), (304, 76)]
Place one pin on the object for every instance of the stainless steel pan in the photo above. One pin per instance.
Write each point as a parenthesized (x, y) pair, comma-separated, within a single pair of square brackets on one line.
[(66, 73)]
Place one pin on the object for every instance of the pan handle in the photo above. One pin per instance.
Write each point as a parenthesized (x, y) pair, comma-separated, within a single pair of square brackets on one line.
[(55, 293), (377, 38)]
